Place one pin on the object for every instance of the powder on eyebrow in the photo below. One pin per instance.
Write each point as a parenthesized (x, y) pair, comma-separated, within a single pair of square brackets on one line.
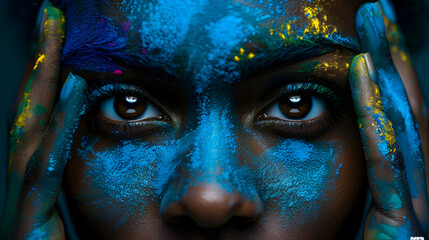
[(92, 42)]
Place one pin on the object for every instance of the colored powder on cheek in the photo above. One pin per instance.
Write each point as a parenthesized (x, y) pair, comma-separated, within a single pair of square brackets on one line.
[(297, 176), (126, 177)]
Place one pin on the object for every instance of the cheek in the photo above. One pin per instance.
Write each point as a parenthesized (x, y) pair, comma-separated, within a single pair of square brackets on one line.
[(305, 182), (298, 175), (114, 183)]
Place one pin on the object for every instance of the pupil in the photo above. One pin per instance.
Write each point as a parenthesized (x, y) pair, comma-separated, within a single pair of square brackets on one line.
[(129, 107), (296, 107)]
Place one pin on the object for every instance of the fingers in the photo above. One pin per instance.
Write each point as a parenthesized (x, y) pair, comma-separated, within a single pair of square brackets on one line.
[(402, 62), (40, 90), (371, 30), (384, 160), (45, 169)]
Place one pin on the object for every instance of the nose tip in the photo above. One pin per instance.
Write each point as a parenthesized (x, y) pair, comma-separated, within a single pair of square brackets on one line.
[(210, 206)]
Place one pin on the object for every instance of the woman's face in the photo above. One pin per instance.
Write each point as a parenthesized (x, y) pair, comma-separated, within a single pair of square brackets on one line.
[(215, 119)]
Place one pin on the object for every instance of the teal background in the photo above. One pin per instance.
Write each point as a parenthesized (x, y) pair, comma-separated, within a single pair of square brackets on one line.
[(17, 22)]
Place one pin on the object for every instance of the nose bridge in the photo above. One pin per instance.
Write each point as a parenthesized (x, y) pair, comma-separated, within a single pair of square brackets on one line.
[(215, 143), (216, 187)]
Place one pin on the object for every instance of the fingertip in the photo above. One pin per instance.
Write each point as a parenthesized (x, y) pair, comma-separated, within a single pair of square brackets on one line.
[(370, 26), (365, 92), (357, 72), (388, 9), (72, 84), (54, 23), (51, 34), (80, 81)]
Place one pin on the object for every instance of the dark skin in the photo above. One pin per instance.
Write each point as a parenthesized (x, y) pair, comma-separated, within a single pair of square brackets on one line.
[(207, 205)]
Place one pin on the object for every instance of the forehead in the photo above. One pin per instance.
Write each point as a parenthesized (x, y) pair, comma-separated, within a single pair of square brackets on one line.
[(201, 34)]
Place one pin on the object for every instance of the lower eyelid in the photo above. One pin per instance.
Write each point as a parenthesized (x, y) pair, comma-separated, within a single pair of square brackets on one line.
[(298, 129), (127, 130)]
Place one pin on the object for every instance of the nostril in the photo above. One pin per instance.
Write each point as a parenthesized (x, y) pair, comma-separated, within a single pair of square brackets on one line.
[(210, 206)]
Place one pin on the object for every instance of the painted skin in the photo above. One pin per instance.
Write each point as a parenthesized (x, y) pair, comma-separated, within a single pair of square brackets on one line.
[(213, 160)]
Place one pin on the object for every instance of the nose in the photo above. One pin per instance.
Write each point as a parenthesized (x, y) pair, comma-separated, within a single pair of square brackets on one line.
[(210, 206)]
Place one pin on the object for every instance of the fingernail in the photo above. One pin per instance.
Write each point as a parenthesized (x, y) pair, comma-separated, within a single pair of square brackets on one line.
[(41, 12), (369, 65), (357, 73), (41, 22), (370, 26), (388, 9), (68, 86)]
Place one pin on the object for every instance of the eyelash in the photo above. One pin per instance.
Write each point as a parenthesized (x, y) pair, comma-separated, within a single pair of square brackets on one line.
[(307, 128), (129, 129)]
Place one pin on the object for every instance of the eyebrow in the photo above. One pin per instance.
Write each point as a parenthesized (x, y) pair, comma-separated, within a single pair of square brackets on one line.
[(295, 52), (97, 52)]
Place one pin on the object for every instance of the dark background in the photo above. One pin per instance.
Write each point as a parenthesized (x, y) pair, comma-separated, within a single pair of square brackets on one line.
[(17, 21)]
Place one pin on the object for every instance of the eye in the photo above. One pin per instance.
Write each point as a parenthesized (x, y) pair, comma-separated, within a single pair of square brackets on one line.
[(297, 108), (127, 108)]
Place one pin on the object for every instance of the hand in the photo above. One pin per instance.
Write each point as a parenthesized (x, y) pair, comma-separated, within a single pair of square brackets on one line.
[(41, 139), (387, 113)]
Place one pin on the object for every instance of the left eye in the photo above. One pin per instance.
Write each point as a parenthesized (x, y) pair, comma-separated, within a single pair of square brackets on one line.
[(297, 108), (128, 108)]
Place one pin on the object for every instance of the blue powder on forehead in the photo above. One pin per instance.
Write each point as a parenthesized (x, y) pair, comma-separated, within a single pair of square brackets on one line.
[(224, 38), (166, 24)]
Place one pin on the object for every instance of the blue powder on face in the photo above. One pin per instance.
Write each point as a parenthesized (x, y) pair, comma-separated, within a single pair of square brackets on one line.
[(126, 177), (298, 175), (165, 27), (225, 37)]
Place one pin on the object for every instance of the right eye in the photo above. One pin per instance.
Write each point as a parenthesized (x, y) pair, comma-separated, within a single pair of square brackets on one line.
[(128, 108), (297, 108)]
